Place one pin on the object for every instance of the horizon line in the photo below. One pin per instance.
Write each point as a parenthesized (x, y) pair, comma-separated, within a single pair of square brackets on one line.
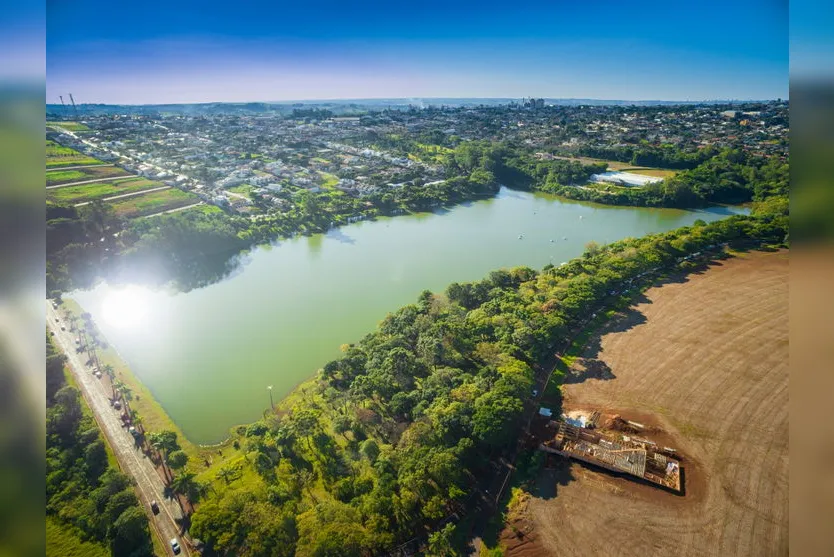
[(332, 99)]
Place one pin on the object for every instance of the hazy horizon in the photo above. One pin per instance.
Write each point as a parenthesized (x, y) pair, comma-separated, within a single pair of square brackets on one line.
[(563, 100)]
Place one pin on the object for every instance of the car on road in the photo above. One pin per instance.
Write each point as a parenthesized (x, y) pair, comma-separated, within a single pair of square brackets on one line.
[(155, 507), (535, 392), (175, 546)]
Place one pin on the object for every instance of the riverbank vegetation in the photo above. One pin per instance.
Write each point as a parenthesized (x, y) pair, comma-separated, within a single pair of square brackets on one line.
[(91, 507), (729, 177), (395, 438), (196, 247)]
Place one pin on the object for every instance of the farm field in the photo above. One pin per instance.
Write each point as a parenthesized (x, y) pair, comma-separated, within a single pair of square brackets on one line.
[(702, 362), (56, 177), (153, 202), (70, 126), (100, 190), (58, 155)]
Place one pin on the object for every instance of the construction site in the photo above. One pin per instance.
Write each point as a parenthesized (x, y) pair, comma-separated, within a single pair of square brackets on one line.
[(611, 448)]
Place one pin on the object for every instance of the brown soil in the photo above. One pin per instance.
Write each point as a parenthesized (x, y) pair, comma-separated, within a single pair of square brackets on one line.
[(702, 362)]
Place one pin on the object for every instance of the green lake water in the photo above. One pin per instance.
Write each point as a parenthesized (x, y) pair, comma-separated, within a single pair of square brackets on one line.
[(208, 355)]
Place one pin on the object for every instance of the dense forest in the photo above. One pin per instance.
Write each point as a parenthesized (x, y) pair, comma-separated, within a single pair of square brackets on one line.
[(85, 495), (395, 436)]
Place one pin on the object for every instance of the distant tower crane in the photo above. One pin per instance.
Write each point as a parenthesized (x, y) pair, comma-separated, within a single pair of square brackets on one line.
[(74, 108)]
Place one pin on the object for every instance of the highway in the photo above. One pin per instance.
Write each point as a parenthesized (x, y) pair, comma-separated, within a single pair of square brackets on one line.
[(132, 460)]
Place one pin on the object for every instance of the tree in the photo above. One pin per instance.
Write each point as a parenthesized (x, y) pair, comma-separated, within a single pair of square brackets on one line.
[(305, 422), (119, 503), (331, 528), (164, 441), (186, 484), (65, 414), (341, 424), (177, 459), (494, 413), (440, 542), (370, 449), (95, 459), (129, 535)]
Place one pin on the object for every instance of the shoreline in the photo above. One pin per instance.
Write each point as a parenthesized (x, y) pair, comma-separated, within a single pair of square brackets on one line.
[(149, 407), (155, 418)]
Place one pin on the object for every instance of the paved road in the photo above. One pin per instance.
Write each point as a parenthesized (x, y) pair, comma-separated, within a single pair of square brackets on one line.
[(173, 210), (131, 459), (54, 168), (110, 179), (114, 197)]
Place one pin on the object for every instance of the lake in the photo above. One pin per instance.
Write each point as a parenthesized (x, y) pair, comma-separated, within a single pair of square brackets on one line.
[(208, 355)]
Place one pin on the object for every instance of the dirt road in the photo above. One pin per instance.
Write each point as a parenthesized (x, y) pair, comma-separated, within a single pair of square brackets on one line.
[(706, 360), (132, 460)]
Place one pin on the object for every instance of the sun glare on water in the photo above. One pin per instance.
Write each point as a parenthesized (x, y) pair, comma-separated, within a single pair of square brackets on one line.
[(126, 308)]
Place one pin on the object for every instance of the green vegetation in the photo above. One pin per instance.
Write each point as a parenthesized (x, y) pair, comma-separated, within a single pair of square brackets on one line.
[(69, 126), (312, 213), (62, 541), (330, 180), (398, 434), (153, 202), (645, 154), (243, 189), (58, 155), (59, 176), (99, 190), (80, 243), (729, 177), (90, 504)]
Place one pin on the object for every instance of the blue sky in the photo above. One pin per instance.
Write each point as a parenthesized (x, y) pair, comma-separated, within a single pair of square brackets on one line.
[(156, 52)]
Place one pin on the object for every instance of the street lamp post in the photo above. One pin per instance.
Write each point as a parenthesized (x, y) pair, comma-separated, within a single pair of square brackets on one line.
[(271, 404)]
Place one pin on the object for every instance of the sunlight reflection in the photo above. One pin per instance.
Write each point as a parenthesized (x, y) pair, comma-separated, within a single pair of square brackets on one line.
[(127, 307)]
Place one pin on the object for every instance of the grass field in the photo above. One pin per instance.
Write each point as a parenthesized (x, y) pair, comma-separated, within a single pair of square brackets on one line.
[(242, 189), (100, 190), (206, 209), (330, 180), (702, 360), (153, 202), (63, 176), (58, 176), (62, 541), (58, 155), (70, 126)]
